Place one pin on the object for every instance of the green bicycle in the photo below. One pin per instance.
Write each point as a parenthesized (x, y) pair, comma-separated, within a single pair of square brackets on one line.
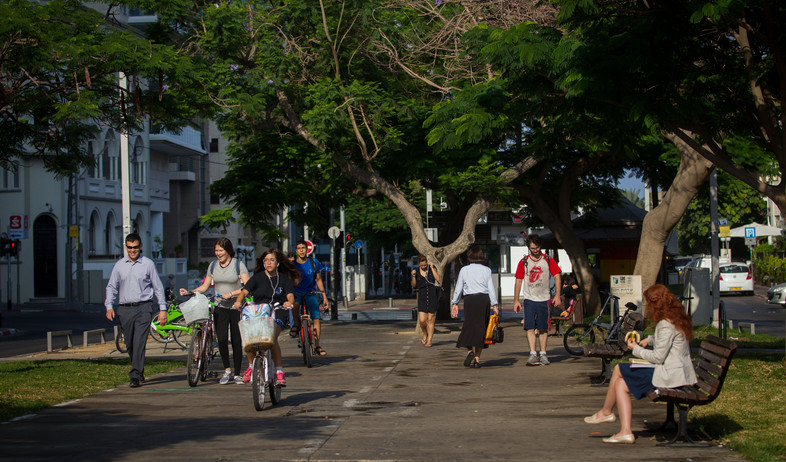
[(175, 330)]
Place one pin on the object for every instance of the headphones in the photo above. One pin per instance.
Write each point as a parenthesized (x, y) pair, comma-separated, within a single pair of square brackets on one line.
[(277, 264)]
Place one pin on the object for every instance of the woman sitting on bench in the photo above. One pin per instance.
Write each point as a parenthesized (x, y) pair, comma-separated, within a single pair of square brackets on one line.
[(670, 355)]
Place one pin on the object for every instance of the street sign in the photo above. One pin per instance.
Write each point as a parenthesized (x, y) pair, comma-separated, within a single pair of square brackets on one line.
[(725, 230), (18, 226), (309, 247), (723, 221), (750, 241), (334, 232), (750, 232), (358, 244)]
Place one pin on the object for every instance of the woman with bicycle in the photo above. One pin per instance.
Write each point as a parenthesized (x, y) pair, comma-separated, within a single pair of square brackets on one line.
[(228, 274), (273, 283), (425, 280), (669, 353)]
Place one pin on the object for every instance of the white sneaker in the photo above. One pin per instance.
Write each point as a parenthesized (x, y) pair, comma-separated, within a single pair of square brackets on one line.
[(239, 380), (225, 378), (533, 360), (544, 360)]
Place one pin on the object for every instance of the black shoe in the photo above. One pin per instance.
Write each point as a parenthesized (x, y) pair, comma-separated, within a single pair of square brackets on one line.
[(294, 331), (469, 358), (135, 383), (142, 379)]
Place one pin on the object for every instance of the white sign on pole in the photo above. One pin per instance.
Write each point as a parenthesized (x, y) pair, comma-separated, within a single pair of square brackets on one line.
[(18, 226)]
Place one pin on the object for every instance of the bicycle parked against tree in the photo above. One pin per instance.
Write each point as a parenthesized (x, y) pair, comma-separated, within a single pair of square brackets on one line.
[(597, 332), (175, 329)]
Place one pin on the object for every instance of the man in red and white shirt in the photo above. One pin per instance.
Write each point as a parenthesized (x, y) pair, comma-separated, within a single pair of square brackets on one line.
[(534, 271)]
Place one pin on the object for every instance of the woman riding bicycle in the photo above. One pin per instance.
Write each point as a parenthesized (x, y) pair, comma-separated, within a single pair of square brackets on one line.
[(273, 282), (229, 274)]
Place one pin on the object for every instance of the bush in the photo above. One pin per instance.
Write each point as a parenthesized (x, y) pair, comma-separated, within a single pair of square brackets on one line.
[(768, 268)]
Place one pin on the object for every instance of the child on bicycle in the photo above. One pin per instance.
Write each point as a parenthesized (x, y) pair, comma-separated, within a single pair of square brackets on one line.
[(272, 283), (310, 281)]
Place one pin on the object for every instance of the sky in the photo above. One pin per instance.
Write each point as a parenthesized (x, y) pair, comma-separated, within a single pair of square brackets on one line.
[(634, 183)]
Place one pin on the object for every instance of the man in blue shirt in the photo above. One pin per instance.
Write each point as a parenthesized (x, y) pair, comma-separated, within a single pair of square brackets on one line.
[(133, 283), (310, 281)]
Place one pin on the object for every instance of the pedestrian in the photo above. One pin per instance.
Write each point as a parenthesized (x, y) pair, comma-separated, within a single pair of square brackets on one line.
[(533, 272), (228, 274), (669, 356), (273, 283), (475, 284), (425, 280), (133, 283)]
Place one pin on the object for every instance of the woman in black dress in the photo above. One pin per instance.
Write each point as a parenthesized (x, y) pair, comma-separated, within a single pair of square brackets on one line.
[(425, 280), (474, 282)]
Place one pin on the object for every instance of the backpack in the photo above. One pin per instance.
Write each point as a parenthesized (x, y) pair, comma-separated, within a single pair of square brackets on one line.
[(546, 256)]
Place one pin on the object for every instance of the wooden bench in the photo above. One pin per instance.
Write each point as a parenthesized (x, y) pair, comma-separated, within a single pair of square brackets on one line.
[(53, 333), (615, 347), (85, 334), (575, 313), (711, 366)]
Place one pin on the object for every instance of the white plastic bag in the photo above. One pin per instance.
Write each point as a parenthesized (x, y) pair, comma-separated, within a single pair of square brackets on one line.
[(257, 332), (196, 309)]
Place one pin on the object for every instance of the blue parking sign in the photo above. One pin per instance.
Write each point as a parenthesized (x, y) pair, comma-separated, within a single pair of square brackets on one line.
[(750, 232)]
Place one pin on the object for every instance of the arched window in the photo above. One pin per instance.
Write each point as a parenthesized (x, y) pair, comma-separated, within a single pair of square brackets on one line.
[(92, 232), (109, 236)]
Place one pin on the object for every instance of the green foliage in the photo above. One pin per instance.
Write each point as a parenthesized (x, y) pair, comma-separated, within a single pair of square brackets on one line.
[(736, 201), (60, 70), (768, 268)]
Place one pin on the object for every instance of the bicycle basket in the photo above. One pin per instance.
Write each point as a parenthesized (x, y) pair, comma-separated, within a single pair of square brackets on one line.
[(196, 309), (257, 332)]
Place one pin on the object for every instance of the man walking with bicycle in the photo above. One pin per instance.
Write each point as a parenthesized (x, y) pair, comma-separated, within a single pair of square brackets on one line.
[(310, 281), (534, 272), (133, 283)]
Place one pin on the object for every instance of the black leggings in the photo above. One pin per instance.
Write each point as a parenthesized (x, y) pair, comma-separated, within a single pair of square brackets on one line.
[(224, 319)]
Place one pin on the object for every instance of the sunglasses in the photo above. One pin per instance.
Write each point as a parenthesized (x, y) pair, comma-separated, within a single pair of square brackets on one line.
[(133, 247)]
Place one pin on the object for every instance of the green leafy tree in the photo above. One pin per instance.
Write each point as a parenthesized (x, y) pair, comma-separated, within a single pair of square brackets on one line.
[(59, 69)]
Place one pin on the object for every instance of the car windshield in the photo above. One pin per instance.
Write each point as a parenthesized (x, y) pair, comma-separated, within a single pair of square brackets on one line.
[(734, 269)]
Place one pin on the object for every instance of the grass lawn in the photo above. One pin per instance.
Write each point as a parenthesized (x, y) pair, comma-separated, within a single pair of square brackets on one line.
[(748, 415), (27, 386)]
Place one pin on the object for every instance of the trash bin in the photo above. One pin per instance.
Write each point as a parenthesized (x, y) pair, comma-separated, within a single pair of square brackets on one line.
[(696, 295)]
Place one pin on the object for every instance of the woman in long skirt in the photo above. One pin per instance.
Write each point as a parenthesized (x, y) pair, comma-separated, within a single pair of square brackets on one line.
[(474, 283)]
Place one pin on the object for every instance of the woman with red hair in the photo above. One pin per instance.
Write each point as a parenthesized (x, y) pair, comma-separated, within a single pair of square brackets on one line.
[(670, 354)]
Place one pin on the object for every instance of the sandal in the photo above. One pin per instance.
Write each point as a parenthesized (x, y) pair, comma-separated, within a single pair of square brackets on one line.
[(294, 331), (320, 351), (469, 358)]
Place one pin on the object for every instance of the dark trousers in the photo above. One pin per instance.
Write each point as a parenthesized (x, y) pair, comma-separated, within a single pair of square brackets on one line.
[(136, 327), (228, 320)]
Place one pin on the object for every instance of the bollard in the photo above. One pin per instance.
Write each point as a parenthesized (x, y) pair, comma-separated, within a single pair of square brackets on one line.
[(390, 302)]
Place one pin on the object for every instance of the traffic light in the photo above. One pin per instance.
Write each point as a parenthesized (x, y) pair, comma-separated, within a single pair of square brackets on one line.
[(15, 247), (5, 246), (348, 240)]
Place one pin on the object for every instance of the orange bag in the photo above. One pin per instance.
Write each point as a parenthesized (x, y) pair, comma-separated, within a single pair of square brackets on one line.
[(493, 322)]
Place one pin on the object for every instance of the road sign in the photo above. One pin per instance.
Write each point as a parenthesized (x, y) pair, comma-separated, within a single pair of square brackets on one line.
[(334, 232), (18, 226), (750, 232), (358, 244), (725, 230), (723, 221), (309, 247), (750, 241)]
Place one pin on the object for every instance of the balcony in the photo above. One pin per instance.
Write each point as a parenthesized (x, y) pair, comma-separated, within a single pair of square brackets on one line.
[(176, 174), (188, 142)]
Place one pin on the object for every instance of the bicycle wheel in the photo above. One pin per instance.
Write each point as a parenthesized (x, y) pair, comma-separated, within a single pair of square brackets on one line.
[(576, 337), (182, 337), (305, 340), (258, 381), (275, 392), (194, 358), (120, 341)]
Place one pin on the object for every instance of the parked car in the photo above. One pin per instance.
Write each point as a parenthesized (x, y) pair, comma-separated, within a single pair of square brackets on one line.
[(777, 294), (701, 262), (736, 278)]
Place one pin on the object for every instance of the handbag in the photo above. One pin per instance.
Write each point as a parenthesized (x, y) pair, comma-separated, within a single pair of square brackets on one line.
[(497, 334), (493, 331)]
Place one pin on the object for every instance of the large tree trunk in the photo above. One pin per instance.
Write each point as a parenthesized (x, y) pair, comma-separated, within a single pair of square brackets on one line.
[(692, 173)]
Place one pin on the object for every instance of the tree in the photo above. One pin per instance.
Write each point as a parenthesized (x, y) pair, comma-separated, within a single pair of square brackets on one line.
[(320, 76), (59, 66), (708, 75)]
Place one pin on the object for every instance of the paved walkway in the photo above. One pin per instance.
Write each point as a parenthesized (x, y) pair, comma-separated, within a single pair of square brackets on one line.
[(378, 395)]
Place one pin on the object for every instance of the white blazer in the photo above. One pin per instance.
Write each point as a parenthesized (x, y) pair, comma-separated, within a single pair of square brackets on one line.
[(671, 355)]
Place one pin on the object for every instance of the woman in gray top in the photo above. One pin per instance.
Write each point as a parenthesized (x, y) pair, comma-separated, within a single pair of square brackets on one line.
[(474, 282), (229, 275)]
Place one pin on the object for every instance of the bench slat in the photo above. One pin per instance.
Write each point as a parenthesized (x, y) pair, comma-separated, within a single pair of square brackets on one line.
[(711, 357), (709, 367)]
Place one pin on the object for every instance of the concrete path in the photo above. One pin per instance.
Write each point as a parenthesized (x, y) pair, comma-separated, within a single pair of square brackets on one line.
[(378, 395)]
